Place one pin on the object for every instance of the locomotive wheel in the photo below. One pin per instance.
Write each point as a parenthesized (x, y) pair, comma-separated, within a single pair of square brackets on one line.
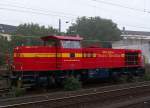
[(114, 76), (13, 82), (50, 81)]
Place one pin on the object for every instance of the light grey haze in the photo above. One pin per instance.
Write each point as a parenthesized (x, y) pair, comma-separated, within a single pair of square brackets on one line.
[(47, 12)]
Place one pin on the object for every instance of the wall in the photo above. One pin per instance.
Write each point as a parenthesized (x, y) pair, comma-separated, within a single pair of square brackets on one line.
[(143, 45)]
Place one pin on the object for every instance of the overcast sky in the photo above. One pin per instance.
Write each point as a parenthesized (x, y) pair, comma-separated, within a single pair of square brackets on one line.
[(127, 13)]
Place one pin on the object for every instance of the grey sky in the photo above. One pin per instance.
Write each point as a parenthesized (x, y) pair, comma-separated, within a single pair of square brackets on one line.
[(47, 12)]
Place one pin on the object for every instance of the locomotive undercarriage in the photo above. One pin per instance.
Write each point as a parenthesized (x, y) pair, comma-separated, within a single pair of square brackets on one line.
[(49, 78)]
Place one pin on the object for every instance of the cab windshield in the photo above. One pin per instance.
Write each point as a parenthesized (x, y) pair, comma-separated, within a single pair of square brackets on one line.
[(70, 44)]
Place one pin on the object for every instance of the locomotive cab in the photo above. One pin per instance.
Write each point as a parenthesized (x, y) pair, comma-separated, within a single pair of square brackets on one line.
[(68, 51), (62, 41)]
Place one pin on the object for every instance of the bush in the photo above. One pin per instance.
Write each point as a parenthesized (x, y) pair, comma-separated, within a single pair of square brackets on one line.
[(2, 59), (71, 84), (123, 79), (18, 91), (146, 77)]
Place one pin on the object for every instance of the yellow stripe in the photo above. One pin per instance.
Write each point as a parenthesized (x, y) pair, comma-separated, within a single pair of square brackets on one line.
[(122, 55), (65, 54), (30, 55), (94, 55), (59, 55), (78, 54), (34, 55)]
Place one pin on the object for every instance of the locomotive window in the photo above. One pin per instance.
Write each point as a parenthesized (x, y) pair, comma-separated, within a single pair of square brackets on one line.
[(131, 58), (70, 44), (50, 43)]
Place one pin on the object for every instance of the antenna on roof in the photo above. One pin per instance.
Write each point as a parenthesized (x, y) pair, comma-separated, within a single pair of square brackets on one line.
[(123, 29)]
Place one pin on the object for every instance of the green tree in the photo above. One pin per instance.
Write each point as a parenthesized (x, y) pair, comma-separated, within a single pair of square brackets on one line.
[(95, 28), (26, 34), (31, 29), (4, 49), (29, 34)]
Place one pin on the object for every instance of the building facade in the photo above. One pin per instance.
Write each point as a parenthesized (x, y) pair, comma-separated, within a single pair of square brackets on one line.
[(135, 40), (7, 30)]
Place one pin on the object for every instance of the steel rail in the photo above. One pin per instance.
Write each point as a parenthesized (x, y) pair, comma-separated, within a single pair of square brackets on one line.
[(83, 90), (76, 96)]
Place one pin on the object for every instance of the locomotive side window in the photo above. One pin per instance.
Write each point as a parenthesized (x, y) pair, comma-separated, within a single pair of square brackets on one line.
[(131, 58), (70, 44), (51, 43)]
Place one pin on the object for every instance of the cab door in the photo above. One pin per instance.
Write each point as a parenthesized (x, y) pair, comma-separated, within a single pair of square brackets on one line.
[(58, 58), (71, 55)]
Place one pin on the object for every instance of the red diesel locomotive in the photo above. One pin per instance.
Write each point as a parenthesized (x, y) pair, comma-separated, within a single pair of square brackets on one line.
[(63, 56)]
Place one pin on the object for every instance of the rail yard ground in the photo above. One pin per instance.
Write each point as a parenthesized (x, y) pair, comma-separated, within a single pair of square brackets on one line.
[(127, 95), (116, 96)]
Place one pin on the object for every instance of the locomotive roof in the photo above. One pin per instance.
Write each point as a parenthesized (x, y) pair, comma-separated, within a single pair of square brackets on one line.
[(62, 38)]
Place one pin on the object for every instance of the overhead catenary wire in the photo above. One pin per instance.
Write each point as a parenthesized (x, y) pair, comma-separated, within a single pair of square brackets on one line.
[(34, 12), (134, 9), (48, 12), (121, 6), (44, 11), (41, 10)]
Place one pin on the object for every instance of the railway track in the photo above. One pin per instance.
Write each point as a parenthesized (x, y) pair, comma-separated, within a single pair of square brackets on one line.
[(100, 96), (4, 91)]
